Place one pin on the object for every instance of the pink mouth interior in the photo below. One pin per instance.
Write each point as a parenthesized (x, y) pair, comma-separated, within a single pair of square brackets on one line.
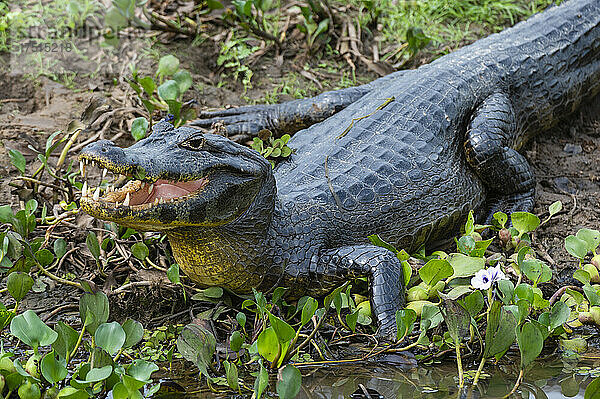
[(163, 189)]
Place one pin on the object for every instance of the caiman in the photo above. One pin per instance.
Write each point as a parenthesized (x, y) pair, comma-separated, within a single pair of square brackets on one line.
[(405, 157)]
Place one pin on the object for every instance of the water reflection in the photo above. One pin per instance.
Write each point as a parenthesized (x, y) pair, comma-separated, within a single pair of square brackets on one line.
[(552, 378)]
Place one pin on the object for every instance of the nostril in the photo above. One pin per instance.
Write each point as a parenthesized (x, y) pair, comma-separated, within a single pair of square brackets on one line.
[(104, 149)]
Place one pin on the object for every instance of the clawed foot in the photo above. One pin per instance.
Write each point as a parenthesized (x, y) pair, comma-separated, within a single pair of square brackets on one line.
[(249, 119)]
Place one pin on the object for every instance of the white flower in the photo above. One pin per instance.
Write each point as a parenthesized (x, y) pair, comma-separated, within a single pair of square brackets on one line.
[(484, 278)]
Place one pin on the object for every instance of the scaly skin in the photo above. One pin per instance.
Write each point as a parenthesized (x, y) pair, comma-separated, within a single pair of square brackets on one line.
[(406, 157)]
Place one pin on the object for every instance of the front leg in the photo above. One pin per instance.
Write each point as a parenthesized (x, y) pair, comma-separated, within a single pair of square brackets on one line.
[(291, 116), (384, 271)]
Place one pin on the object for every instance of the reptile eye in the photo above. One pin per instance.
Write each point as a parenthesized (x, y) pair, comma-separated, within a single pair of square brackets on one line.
[(194, 144)]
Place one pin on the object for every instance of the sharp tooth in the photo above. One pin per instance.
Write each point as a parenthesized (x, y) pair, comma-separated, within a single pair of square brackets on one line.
[(150, 188), (127, 198), (97, 194), (84, 189), (104, 171)]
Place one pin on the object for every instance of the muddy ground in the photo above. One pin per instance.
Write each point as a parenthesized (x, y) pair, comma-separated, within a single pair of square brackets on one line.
[(565, 161)]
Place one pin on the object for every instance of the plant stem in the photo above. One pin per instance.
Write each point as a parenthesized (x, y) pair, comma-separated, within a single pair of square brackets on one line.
[(70, 356), (461, 377), (479, 369), (516, 385)]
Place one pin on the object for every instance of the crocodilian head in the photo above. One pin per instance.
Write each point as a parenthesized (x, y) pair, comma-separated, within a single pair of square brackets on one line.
[(176, 178)]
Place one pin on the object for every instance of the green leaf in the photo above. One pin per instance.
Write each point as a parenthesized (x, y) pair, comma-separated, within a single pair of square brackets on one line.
[(466, 245), (582, 276), (52, 370), (473, 303), (115, 20), (591, 237), (591, 295), (236, 340), (524, 222), (184, 80), (173, 274), (31, 330), (6, 214), (93, 310), (536, 270), (351, 320), (457, 319), (110, 337), (559, 314), (555, 207), (500, 332), (458, 291), (197, 345), (592, 391), (97, 374), (93, 245), (66, 340), (524, 291), (405, 319), (501, 218), (60, 248), (140, 250), (465, 266), (376, 240), (148, 85), (168, 65), (308, 310), (231, 372), (262, 380), (44, 256), (169, 90), (214, 4), (268, 344), (18, 285), (17, 159), (241, 319), (289, 380), (576, 246), (431, 317), (530, 342), (142, 370), (435, 270), (283, 330), (507, 289), (139, 128)]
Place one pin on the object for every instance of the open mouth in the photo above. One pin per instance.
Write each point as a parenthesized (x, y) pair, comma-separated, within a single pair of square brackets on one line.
[(136, 194)]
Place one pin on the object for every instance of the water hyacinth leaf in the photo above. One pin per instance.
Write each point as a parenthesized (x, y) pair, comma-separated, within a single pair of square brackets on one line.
[(262, 380), (139, 128), (308, 310), (530, 343), (336, 298), (465, 266), (18, 285), (93, 310), (283, 330), (134, 331), (140, 250), (470, 224), (231, 372), (524, 291), (96, 374), (52, 369), (147, 84), (169, 91), (66, 340), (168, 65), (501, 218), (184, 80), (351, 320), (278, 294), (435, 270), (60, 247), (507, 290), (268, 344), (576, 246), (141, 369), (466, 245), (500, 332), (405, 319), (457, 319), (524, 222), (592, 391), (197, 345), (120, 391), (289, 381), (69, 392), (173, 274), (524, 308), (31, 330), (93, 245), (473, 303), (110, 337), (241, 319), (458, 291), (582, 276), (430, 317), (591, 237), (378, 241), (536, 270), (591, 295), (555, 207), (6, 214), (18, 160), (235, 341)]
